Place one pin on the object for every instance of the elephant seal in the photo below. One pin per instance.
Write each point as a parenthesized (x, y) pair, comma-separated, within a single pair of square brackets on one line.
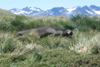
[(44, 31)]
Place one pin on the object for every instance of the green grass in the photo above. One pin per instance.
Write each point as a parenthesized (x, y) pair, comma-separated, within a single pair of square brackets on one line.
[(85, 23), (82, 50)]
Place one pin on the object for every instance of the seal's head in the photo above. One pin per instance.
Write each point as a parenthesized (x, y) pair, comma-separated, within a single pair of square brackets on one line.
[(68, 33)]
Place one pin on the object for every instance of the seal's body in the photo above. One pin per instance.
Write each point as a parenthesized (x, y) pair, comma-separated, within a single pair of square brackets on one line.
[(44, 31)]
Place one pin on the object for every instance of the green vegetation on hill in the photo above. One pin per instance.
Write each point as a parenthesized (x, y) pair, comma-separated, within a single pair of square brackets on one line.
[(5, 13), (30, 51)]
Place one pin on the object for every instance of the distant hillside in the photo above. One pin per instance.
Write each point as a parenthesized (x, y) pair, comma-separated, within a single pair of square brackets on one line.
[(6, 13)]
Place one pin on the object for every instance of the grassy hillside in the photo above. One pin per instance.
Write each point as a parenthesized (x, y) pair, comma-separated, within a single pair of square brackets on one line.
[(30, 51), (5, 13)]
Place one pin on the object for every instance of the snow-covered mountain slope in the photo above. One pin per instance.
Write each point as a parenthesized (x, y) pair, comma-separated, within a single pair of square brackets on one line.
[(58, 11), (28, 11)]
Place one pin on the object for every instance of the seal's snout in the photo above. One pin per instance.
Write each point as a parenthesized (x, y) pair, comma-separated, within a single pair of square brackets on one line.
[(19, 34), (69, 33)]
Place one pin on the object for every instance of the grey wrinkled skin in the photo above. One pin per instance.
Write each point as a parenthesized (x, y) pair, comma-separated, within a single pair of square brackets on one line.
[(44, 31)]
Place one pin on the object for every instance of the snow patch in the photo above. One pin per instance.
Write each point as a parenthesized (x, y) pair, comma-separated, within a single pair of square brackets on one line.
[(89, 12), (71, 9), (21, 12), (51, 14), (34, 9), (97, 12)]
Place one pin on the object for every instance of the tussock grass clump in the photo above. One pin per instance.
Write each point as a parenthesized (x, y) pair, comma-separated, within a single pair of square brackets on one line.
[(55, 42), (28, 38), (95, 49), (17, 23), (85, 23), (87, 43), (7, 42)]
